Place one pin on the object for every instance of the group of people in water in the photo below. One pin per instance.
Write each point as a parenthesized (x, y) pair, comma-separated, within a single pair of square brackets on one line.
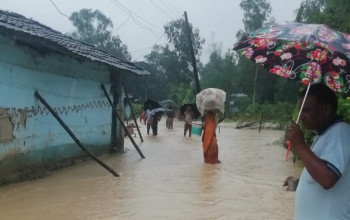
[(210, 147), (323, 189)]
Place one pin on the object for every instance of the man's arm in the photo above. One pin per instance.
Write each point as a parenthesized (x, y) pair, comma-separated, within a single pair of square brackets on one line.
[(317, 168)]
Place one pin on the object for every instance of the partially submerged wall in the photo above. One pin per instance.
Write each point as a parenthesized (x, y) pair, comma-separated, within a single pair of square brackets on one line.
[(29, 135)]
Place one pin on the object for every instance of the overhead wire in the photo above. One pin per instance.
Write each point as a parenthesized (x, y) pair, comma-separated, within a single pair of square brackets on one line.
[(169, 8), (120, 26), (146, 48), (59, 10), (161, 9), (180, 13), (140, 24)]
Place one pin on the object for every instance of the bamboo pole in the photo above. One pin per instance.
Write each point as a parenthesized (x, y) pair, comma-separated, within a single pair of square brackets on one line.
[(121, 121), (132, 113), (42, 100)]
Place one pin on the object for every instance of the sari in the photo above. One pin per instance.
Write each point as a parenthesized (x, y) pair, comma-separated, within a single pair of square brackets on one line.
[(210, 146)]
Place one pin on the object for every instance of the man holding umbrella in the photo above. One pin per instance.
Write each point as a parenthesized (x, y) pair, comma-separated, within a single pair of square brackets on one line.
[(312, 54), (323, 191)]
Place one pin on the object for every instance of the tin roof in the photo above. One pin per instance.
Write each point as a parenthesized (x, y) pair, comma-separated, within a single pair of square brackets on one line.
[(23, 28)]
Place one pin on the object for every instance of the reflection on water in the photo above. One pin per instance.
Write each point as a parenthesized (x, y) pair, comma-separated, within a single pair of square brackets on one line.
[(171, 183)]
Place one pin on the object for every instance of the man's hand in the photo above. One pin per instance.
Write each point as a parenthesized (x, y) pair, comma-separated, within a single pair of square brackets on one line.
[(295, 135), (293, 183)]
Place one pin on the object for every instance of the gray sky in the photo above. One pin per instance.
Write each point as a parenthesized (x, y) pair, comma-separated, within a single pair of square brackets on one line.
[(217, 20)]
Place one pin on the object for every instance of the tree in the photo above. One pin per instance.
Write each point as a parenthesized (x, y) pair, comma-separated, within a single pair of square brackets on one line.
[(309, 11), (93, 27), (256, 13), (175, 32), (333, 13)]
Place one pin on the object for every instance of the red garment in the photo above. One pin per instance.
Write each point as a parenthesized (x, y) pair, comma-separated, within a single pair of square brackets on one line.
[(143, 116), (210, 146)]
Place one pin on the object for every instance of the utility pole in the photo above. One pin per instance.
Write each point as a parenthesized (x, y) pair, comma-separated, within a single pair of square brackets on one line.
[(195, 72)]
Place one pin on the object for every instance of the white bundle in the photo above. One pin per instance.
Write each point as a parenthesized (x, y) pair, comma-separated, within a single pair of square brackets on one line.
[(211, 99)]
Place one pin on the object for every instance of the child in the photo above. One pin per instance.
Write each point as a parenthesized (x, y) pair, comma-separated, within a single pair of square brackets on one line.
[(189, 115), (143, 116), (170, 118)]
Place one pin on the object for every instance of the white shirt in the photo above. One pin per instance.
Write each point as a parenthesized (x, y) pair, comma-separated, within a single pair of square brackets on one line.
[(312, 201)]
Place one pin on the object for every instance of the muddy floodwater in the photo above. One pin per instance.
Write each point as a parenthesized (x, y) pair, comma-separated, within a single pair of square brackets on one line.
[(171, 183)]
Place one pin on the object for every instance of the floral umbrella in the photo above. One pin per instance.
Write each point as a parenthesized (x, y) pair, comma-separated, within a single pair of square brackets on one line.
[(310, 53)]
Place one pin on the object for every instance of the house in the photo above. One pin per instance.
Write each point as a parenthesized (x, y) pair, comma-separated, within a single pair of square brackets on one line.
[(68, 74)]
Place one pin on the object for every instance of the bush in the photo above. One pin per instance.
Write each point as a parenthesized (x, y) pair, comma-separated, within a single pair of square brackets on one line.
[(279, 113), (344, 108), (137, 109)]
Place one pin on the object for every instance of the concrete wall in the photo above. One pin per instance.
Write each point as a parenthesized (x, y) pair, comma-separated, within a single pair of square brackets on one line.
[(29, 134)]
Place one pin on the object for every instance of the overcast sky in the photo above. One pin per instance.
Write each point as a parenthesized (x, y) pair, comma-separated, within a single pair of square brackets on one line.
[(217, 20)]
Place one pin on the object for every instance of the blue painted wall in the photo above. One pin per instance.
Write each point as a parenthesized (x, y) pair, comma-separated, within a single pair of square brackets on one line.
[(70, 86)]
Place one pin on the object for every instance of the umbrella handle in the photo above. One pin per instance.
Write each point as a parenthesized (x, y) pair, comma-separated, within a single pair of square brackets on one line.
[(289, 146)]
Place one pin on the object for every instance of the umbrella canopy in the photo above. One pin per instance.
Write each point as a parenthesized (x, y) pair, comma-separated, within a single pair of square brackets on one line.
[(193, 107), (212, 99), (167, 103), (151, 103), (159, 111), (310, 53)]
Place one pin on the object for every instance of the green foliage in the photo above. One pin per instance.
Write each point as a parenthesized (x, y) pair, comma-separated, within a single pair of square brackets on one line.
[(310, 10), (137, 109), (177, 35), (181, 94), (256, 13), (171, 76), (220, 72), (94, 28), (155, 86), (278, 114), (344, 108), (333, 13)]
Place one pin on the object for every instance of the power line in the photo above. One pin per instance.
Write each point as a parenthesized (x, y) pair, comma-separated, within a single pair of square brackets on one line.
[(59, 9), (143, 49), (130, 13), (161, 9), (180, 13), (169, 8), (137, 15), (120, 26), (135, 21)]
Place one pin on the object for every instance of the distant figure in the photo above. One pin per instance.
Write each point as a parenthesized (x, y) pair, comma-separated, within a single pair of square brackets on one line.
[(210, 146), (154, 126), (170, 118), (143, 116), (130, 129), (149, 118), (189, 115)]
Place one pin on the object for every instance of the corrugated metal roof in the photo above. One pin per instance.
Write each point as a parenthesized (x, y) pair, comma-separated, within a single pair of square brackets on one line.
[(22, 25)]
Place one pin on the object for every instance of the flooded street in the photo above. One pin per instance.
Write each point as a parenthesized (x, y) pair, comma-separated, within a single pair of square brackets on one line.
[(171, 183)]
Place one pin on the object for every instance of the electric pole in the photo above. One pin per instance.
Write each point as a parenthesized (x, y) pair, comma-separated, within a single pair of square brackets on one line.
[(195, 72)]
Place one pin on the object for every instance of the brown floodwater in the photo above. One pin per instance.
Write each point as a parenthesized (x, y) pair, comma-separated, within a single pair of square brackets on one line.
[(171, 183)]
